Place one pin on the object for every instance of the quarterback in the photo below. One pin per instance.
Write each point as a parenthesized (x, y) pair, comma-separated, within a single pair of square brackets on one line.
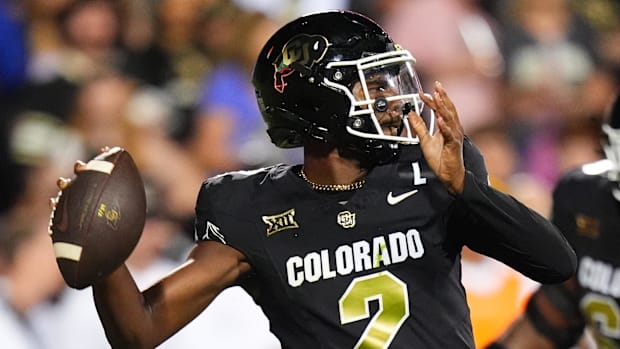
[(359, 246)]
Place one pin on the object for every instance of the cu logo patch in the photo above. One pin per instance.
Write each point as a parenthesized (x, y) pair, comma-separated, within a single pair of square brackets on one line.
[(346, 219)]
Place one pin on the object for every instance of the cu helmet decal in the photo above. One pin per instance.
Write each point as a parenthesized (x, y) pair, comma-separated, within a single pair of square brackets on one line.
[(301, 51)]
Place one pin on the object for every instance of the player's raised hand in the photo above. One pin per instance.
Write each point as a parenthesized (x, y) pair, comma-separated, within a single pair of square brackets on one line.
[(444, 149)]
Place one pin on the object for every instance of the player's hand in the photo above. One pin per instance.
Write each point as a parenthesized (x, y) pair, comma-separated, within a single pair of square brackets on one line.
[(444, 149), (63, 183)]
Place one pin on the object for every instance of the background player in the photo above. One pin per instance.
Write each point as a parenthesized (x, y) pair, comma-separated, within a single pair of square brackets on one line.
[(360, 245), (586, 211)]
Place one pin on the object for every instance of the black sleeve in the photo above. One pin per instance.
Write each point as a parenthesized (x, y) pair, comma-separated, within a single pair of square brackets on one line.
[(497, 225)]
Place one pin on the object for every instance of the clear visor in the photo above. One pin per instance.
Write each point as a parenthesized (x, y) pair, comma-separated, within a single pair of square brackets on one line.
[(387, 92)]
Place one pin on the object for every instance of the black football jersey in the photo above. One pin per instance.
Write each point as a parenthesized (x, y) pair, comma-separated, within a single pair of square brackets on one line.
[(587, 213), (375, 268)]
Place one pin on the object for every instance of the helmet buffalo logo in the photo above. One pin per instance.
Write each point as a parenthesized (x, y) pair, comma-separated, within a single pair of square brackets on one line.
[(301, 49)]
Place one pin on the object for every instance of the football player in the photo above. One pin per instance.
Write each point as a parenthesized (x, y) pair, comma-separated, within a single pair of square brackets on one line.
[(359, 246), (585, 209)]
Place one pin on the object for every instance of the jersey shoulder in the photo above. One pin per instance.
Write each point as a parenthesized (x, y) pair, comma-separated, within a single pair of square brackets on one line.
[(230, 186), (229, 199), (584, 207), (583, 180)]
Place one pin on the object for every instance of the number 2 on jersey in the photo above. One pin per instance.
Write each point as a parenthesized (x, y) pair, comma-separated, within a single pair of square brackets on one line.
[(390, 292), (605, 312)]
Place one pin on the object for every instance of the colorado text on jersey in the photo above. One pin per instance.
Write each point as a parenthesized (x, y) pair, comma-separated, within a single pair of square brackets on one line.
[(354, 257)]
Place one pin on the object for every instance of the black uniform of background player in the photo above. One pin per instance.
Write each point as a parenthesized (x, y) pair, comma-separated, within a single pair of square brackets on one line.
[(586, 209), (587, 213), (412, 302)]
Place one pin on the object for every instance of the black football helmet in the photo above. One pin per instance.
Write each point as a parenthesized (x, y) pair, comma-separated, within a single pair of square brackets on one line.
[(611, 140), (337, 77)]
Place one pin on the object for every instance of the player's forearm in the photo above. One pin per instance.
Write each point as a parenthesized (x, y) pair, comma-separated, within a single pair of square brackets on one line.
[(507, 230), (123, 312)]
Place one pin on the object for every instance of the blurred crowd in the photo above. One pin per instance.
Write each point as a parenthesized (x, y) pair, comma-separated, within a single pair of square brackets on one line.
[(169, 80)]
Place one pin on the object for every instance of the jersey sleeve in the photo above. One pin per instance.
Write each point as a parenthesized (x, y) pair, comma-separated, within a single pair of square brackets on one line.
[(207, 221), (221, 202), (497, 225)]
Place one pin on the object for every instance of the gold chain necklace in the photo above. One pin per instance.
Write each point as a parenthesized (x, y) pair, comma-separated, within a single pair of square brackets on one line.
[(332, 187)]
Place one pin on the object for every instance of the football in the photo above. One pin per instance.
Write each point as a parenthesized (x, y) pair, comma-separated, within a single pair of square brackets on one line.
[(97, 219)]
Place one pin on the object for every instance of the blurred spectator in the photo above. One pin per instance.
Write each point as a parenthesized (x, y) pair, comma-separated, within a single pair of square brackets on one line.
[(99, 116), (173, 60), (146, 60), (28, 272), (604, 16), (89, 33), (44, 35), (39, 149), (218, 31), (505, 167), (112, 110), (71, 41), (285, 10), (91, 29), (228, 129), (14, 56), (28, 276), (28, 135), (579, 143), (138, 25), (551, 54), (453, 41), (549, 51), (146, 115), (594, 93)]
